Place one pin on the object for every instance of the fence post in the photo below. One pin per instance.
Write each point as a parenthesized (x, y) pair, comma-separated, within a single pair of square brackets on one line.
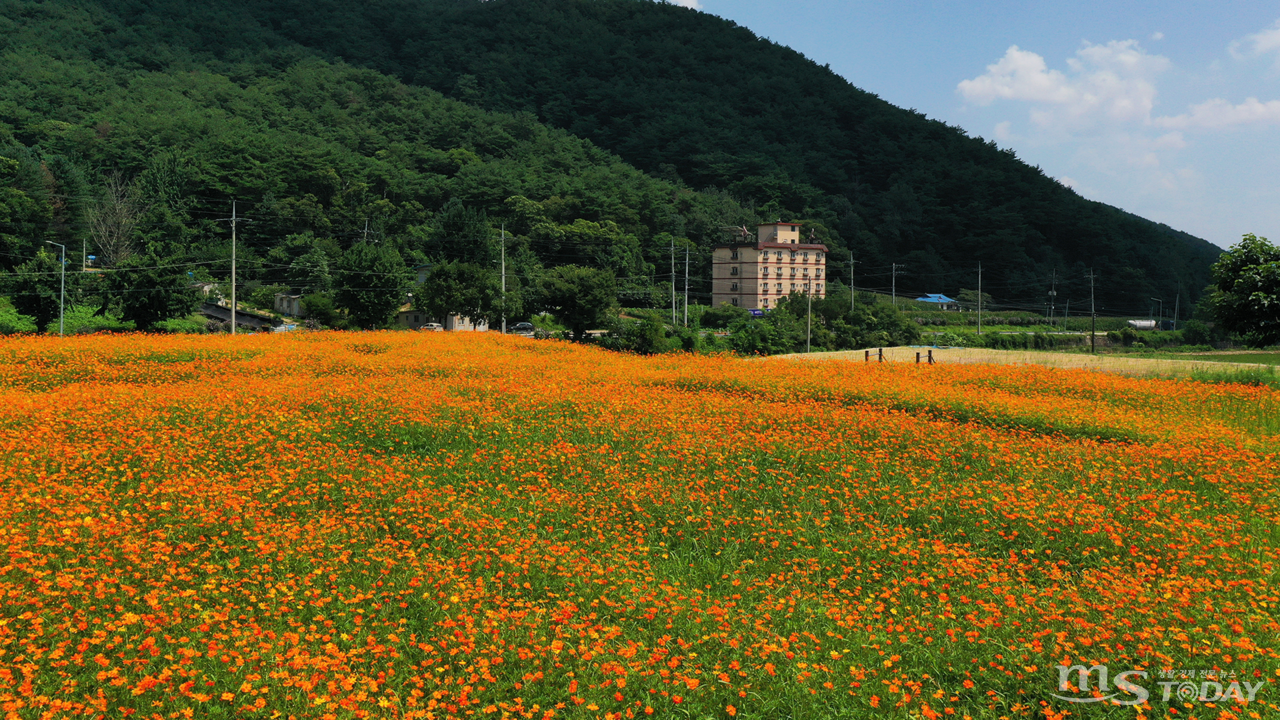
[(867, 358), (881, 352), (917, 358), (931, 357)]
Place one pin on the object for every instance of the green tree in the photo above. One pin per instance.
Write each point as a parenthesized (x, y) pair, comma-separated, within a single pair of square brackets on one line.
[(646, 336), (370, 282), (458, 288), (581, 298), (320, 310), (968, 299), (150, 289), (310, 273), (34, 288), (722, 316), (1246, 291), (777, 332), (20, 214)]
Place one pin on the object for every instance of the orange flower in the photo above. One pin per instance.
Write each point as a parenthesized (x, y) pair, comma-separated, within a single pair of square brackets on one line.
[(448, 524)]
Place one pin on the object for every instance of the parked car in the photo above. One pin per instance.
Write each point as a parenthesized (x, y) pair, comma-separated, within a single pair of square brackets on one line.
[(432, 327), (522, 328)]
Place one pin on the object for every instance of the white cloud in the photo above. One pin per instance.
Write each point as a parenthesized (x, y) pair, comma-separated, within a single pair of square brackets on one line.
[(1112, 82), (1219, 113), (687, 3), (1068, 182), (1004, 130), (1173, 141), (1157, 35), (1259, 43)]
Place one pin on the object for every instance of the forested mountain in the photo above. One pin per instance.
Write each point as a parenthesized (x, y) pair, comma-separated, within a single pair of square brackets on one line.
[(156, 142), (693, 100)]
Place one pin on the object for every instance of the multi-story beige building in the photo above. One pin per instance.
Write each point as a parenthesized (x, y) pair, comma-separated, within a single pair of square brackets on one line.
[(756, 274)]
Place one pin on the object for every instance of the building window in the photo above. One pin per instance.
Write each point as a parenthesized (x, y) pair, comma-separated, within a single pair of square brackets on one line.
[(734, 300), (765, 302), (793, 272), (733, 254), (779, 287), (793, 287), (806, 272), (733, 270), (779, 254), (819, 286), (818, 272), (793, 255), (806, 256), (819, 256), (734, 286)]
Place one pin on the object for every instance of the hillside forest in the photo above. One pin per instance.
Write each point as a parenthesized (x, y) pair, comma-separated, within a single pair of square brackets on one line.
[(606, 134)]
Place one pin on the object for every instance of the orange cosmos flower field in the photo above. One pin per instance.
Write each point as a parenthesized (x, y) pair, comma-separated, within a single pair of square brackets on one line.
[(440, 525)]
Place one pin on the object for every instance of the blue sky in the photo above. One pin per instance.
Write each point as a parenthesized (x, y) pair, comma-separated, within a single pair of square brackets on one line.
[(1170, 110)]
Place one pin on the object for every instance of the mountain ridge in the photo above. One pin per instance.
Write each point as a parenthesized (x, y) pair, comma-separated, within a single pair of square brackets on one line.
[(885, 184)]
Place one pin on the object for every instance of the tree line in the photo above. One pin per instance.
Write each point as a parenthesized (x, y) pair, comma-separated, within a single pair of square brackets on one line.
[(127, 129), (703, 103)]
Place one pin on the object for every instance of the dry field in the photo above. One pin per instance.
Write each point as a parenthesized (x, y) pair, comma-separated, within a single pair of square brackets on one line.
[(458, 525), (1132, 366)]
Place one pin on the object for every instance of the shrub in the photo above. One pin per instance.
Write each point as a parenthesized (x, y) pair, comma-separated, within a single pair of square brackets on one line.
[(646, 336), (718, 318), (320, 308), (263, 297), (12, 323), (1196, 332)]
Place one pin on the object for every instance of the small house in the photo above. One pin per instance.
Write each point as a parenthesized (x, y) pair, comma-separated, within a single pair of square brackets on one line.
[(942, 301)]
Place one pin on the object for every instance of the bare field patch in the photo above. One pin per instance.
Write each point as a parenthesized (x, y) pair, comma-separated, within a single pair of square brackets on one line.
[(1131, 366)]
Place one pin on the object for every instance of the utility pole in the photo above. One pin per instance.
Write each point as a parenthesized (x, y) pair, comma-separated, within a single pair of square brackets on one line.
[(673, 282), (1093, 317), (504, 278), (808, 330), (686, 286), (62, 297), (895, 284), (979, 298), (1177, 304), (233, 267), (1053, 295), (234, 219), (853, 291)]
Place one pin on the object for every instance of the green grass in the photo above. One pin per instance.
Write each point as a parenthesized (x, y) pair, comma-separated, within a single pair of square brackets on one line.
[(1262, 358)]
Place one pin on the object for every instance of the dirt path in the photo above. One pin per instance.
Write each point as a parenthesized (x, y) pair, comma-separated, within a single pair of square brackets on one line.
[(1138, 367)]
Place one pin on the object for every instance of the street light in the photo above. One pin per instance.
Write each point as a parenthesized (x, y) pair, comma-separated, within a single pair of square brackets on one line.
[(62, 297)]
